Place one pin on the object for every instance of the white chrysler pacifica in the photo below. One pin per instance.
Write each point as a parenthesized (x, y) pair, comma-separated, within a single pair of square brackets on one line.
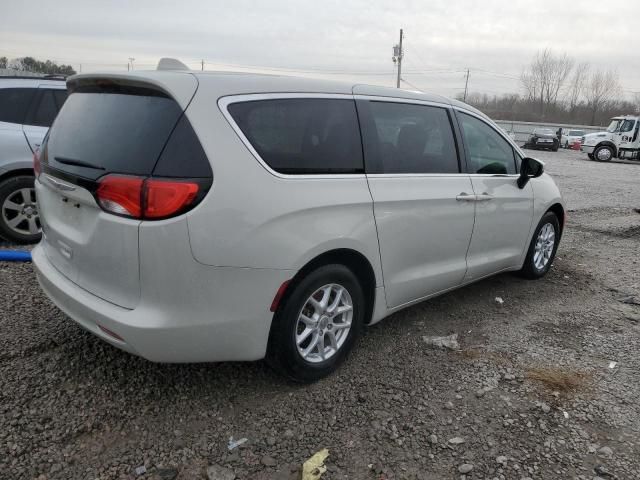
[(197, 217)]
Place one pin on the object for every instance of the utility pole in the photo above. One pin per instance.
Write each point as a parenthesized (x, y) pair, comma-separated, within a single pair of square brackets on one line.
[(466, 85), (398, 53), (131, 59), (202, 62)]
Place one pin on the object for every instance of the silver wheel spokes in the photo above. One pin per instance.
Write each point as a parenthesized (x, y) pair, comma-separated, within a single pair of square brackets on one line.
[(324, 323), (604, 154), (20, 212), (544, 246)]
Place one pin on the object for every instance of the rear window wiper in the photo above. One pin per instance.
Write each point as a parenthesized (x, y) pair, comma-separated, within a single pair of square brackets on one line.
[(78, 163)]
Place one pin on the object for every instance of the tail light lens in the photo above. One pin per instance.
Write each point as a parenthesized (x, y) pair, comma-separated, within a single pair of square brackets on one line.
[(142, 198)]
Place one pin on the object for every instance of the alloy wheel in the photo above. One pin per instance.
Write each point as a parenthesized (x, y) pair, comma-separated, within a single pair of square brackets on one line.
[(323, 323), (20, 212), (544, 246)]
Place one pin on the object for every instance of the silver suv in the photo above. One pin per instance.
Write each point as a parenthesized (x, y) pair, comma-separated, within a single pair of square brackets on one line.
[(197, 217), (28, 106)]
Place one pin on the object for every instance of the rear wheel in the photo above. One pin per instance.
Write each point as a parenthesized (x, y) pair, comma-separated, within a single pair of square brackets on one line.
[(318, 324), (19, 220), (543, 246), (603, 153)]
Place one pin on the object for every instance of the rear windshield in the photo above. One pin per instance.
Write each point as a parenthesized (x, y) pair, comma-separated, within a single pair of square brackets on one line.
[(121, 131)]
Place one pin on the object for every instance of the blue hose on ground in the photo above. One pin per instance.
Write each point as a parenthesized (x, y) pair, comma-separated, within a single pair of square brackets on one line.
[(15, 256)]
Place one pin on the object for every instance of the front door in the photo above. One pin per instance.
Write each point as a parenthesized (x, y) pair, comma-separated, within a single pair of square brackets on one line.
[(504, 212), (420, 197)]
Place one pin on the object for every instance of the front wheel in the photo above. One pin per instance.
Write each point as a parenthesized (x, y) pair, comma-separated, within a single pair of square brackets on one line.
[(19, 220), (543, 246), (318, 324), (603, 153)]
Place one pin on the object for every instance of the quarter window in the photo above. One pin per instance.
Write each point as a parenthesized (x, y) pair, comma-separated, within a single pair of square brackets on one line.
[(408, 138), (14, 103), (303, 135), (488, 151)]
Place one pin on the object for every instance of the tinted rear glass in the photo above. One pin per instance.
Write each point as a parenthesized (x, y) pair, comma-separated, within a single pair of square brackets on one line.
[(44, 109), (14, 103), (303, 136), (114, 132)]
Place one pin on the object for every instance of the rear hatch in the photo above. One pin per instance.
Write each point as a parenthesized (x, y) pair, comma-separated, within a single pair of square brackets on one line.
[(109, 128)]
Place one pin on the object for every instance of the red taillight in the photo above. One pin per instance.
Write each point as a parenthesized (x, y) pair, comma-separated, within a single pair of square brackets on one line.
[(121, 195), (37, 166), (166, 197), (145, 198)]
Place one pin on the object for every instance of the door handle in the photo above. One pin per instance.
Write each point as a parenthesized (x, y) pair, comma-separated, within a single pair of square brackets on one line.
[(466, 197), (483, 197)]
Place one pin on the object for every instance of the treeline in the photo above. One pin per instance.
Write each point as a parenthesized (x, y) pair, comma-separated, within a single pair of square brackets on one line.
[(30, 64), (516, 107), (557, 89)]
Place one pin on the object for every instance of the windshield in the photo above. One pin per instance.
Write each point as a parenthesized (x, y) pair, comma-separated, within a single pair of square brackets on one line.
[(613, 126), (576, 133), (543, 131)]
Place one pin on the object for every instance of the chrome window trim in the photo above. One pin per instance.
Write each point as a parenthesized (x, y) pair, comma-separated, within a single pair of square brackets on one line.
[(224, 102)]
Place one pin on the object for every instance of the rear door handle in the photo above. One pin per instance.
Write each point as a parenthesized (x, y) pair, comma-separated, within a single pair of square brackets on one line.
[(466, 197), (483, 197)]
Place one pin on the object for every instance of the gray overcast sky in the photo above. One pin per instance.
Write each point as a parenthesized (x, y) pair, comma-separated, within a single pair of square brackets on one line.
[(497, 36)]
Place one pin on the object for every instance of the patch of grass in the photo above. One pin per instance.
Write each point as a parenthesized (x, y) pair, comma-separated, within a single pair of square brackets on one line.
[(558, 379)]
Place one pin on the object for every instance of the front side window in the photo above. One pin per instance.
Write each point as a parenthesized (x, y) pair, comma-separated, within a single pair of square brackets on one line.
[(408, 138), (14, 103), (627, 126), (488, 151), (302, 135)]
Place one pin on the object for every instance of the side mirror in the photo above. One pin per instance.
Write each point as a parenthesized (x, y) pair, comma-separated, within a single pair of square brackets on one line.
[(529, 168)]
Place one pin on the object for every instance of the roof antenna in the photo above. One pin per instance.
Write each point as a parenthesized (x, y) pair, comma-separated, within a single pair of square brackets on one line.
[(171, 64)]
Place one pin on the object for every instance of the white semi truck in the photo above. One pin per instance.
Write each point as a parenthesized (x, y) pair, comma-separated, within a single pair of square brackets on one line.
[(620, 140)]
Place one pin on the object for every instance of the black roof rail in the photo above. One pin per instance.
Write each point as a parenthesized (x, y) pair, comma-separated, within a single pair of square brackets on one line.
[(32, 77)]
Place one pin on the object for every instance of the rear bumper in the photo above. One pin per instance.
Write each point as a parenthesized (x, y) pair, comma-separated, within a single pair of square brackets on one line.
[(225, 317)]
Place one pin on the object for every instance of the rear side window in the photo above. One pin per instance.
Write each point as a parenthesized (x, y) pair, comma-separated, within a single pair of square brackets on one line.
[(14, 103), (488, 151), (408, 138), (44, 110), (303, 136)]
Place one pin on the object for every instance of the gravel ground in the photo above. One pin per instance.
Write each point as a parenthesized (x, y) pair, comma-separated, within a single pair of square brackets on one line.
[(530, 394)]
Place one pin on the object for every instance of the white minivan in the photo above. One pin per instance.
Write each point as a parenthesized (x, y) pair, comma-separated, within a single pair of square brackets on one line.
[(200, 216)]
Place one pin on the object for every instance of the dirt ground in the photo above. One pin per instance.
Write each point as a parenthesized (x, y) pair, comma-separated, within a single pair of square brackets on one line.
[(532, 394)]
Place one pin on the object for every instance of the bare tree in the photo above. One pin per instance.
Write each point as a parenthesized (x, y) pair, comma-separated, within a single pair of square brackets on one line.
[(602, 88), (578, 84), (545, 76), (3, 62)]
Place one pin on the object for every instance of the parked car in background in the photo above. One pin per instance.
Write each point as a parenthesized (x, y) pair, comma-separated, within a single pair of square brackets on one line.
[(543, 139), (28, 106), (197, 217), (569, 137)]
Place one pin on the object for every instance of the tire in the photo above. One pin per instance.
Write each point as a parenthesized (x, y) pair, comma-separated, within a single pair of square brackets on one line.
[(566, 144), (535, 267), (590, 155), (284, 351), (603, 153), (17, 199)]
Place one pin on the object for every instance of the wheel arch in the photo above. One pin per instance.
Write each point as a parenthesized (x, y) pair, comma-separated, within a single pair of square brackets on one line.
[(558, 210), (607, 143), (16, 173), (352, 259)]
